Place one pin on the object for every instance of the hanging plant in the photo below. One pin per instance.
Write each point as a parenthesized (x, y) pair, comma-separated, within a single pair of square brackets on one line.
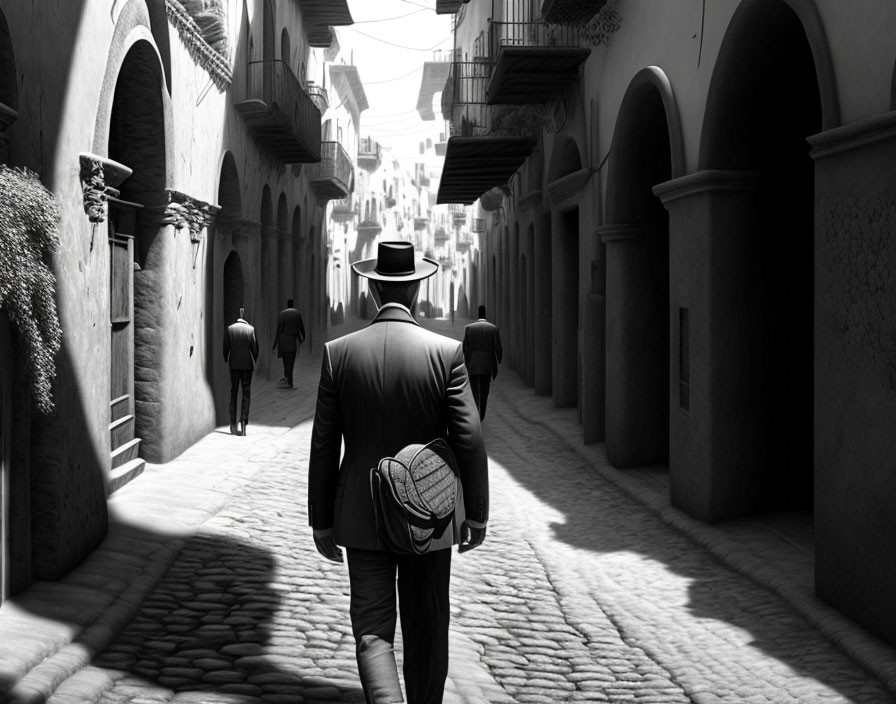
[(492, 199), (28, 219)]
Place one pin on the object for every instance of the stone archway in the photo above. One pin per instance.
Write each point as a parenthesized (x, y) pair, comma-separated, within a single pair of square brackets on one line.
[(140, 255), (765, 99), (233, 290), (566, 369), (646, 150), (224, 301)]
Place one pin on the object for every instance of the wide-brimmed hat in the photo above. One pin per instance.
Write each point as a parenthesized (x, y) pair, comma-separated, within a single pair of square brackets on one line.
[(396, 261)]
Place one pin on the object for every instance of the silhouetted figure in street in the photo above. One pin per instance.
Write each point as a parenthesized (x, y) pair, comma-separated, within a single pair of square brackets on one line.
[(482, 355), (382, 388), (241, 352), (290, 335)]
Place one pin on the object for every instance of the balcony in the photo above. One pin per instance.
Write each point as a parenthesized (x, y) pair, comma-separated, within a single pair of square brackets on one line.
[(343, 209), (570, 11), (441, 235), (435, 73), (420, 223), (370, 154), (319, 96), (279, 114), (463, 242), (532, 61), (333, 177), (320, 16)]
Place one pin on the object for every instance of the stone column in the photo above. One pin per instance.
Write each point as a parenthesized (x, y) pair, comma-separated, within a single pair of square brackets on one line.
[(543, 307), (594, 357), (7, 117), (637, 353), (855, 370), (565, 313), (266, 315), (715, 422)]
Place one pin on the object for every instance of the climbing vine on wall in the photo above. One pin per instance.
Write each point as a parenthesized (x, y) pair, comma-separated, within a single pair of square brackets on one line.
[(28, 219)]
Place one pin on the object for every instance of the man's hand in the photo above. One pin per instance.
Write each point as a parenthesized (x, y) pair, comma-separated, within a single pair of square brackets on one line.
[(326, 545), (470, 536)]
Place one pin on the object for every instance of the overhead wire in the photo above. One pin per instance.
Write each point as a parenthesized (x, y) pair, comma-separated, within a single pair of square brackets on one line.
[(389, 19), (398, 46)]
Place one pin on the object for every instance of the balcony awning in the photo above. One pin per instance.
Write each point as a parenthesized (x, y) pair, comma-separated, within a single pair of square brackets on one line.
[(435, 74), (529, 75), (473, 165), (570, 11), (326, 12), (348, 84), (449, 7)]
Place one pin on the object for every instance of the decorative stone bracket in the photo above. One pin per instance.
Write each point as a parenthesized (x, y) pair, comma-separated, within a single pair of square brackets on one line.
[(569, 186), (183, 211), (100, 178)]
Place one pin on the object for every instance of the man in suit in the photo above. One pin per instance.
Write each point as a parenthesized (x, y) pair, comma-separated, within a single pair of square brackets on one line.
[(290, 334), (482, 355), (241, 352), (382, 388)]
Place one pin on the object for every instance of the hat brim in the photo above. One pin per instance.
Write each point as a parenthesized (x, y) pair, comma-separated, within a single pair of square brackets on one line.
[(423, 269)]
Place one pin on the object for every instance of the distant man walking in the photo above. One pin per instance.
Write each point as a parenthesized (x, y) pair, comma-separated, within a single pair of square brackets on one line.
[(290, 335), (482, 355), (241, 352)]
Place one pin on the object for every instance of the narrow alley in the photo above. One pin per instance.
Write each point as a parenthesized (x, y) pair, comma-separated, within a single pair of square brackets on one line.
[(209, 589)]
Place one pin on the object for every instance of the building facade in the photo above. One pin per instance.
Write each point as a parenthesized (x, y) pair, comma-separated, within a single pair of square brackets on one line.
[(689, 243), (180, 141)]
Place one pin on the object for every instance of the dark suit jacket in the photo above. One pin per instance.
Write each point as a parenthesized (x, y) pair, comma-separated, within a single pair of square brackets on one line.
[(290, 331), (240, 345), (382, 388), (482, 348)]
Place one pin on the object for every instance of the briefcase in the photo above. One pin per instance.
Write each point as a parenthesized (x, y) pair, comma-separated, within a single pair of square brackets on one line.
[(418, 499)]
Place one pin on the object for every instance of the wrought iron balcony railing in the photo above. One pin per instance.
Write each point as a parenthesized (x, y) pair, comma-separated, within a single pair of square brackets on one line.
[(279, 114), (319, 97), (344, 209), (333, 177), (529, 34)]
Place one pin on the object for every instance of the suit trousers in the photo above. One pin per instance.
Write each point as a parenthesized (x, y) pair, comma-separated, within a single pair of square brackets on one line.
[(240, 377), (480, 385), (423, 603), (289, 360)]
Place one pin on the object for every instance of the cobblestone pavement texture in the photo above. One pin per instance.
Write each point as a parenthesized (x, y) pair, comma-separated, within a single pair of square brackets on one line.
[(589, 588)]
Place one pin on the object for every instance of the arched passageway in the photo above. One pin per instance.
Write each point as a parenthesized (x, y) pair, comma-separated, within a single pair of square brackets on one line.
[(764, 102), (637, 277), (233, 291), (566, 369), (224, 301), (140, 259)]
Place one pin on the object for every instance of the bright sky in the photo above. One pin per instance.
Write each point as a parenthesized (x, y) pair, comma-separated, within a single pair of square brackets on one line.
[(391, 40)]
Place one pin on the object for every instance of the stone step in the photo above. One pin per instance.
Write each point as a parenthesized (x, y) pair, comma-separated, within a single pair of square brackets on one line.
[(121, 431), (127, 452), (119, 476), (120, 406)]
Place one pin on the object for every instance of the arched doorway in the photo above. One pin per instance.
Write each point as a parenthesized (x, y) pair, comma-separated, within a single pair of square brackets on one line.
[(224, 242), (637, 274), (764, 101), (566, 370), (233, 291), (138, 259)]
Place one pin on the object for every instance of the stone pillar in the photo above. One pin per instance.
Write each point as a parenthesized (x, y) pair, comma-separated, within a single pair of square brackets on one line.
[(7, 117), (285, 255), (637, 350), (513, 302), (266, 315), (855, 370), (594, 358), (565, 304), (543, 308), (716, 409)]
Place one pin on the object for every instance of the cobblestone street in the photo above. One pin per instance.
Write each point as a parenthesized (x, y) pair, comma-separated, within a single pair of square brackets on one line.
[(582, 591)]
